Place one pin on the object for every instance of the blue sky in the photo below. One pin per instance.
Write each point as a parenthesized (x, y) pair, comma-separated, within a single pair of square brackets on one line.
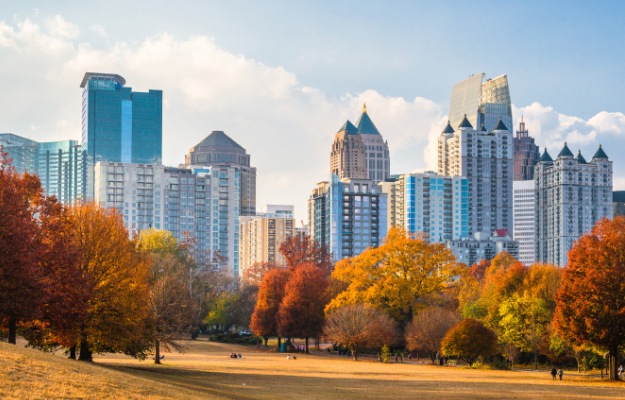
[(285, 75)]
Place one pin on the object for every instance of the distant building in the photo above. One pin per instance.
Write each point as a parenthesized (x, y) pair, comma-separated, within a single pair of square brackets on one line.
[(526, 154), (277, 211), (524, 207), (360, 151), (119, 125), (483, 102), (347, 215), (618, 203), (485, 159), (571, 196), (483, 246), (203, 201), (219, 149), (428, 204), (261, 237), (23, 151)]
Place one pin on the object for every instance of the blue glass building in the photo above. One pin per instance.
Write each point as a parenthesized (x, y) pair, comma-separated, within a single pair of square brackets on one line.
[(119, 125), (62, 170)]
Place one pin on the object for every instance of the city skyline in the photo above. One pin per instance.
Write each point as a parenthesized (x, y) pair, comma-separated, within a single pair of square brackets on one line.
[(266, 107)]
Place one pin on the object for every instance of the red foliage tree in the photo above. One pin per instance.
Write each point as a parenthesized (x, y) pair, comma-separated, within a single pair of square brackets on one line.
[(478, 271), (301, 249), (270, 295), (302, 311), (22, 280), (591, 300)]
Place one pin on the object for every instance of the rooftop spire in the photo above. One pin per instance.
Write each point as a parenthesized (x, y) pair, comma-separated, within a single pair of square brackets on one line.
[(364, 107)]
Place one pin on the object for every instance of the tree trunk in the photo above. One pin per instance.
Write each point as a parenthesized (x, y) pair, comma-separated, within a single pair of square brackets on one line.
[(72, 352), (257, 341), (85, 352), (307, 352), (279, 347), (266, 340), (12, 331), (535, 358), (157, 358), (613, 373)]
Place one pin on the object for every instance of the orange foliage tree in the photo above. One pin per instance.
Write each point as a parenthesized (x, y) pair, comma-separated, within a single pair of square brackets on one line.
[(470, 340), (117, 284), (302, 249), (301, 312), (256, 272), (271, 292), (591, 301)]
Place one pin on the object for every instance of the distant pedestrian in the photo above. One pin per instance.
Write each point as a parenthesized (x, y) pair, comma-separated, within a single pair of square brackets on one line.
[(402, 357), (409, 357), (554, 373), (560, 373), (396, 356), (620, 371)]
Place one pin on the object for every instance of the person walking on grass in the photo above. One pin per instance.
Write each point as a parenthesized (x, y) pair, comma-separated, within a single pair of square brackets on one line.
[(560, 373), (396, 357), (554, 373), (620, 371), (409, 357)]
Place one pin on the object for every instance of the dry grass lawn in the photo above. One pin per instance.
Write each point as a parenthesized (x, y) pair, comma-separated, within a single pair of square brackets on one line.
[(206, 371)]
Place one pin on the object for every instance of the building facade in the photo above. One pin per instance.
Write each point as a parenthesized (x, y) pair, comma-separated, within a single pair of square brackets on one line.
[(483, 102), (486, 160), (526, 154), (618, 203), (524, 208), (119, 125), (483, 246), (348, 158), (23, 152), (200, 201), (261, 237), (219, 149), (347, 215), (61, 168), (428, 204), (378, 162), (571, 196)]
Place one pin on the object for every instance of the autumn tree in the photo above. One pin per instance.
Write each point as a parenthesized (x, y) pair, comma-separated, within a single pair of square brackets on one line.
[(271, 292), (477, 271), (591, 300), (117, 283), (233, 308), (360, 326), (470, 340), (254, 274), (302, 249), (23, 286), (394, 276), (302, 309), (427, 330)]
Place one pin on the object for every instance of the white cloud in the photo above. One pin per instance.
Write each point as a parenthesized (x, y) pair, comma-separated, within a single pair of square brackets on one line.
[(60, 28), (285, 126), (99, 29)]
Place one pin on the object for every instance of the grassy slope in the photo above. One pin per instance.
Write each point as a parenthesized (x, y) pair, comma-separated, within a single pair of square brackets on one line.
[(32, 374)]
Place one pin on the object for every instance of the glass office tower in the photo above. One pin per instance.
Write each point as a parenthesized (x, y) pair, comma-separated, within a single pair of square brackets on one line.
[(62, 170), (119, 125), (23, 152), (482, 102)]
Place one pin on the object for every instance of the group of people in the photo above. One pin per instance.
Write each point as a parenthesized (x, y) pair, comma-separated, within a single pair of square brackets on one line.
[(558, 372), (235, 355)]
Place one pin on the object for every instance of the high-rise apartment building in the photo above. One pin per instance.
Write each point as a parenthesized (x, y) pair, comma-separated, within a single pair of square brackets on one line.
[(485, 159), (23, 152), (524, 208), (526, 154), (261, 237), (219, 149), (360, 151), (59, 165), (483, 246), (571, 196), (119, 125), (434, 206), (481, 102), (200, 201), (62, 170), (347, 215), (618, 203)]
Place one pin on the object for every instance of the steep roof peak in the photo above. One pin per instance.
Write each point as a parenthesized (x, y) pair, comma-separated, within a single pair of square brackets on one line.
[(218, 138), (448, 128), (580, 158), (465, 123), (565, 152), (545, 157), (349, 127), (600, 154), (364, 123), (500, 126), (483, 128)]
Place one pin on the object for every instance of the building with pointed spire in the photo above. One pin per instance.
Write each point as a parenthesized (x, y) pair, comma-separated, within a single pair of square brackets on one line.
[(485, 158), (348, 158), (571, 196), (376, 148), (526, 154)]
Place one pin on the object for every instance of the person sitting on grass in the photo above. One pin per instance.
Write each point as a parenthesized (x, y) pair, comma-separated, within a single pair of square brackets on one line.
[(240, 355)]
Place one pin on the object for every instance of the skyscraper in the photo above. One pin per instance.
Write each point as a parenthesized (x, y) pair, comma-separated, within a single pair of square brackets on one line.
[(62, 170), (376, 148), (218, 149), (524, 208), (526, 154), (23, 151), (348, 158), (119, 125), (571, 196), (485, 159), (482, 103)]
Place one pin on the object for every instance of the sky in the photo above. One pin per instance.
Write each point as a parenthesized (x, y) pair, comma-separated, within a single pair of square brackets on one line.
[(281, 77)]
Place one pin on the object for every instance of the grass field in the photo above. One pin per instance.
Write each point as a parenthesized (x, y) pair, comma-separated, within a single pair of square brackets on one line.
[(206, 371)]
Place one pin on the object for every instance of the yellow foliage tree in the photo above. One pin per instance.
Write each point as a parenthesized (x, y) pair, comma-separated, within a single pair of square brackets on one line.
[(394, 276)]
